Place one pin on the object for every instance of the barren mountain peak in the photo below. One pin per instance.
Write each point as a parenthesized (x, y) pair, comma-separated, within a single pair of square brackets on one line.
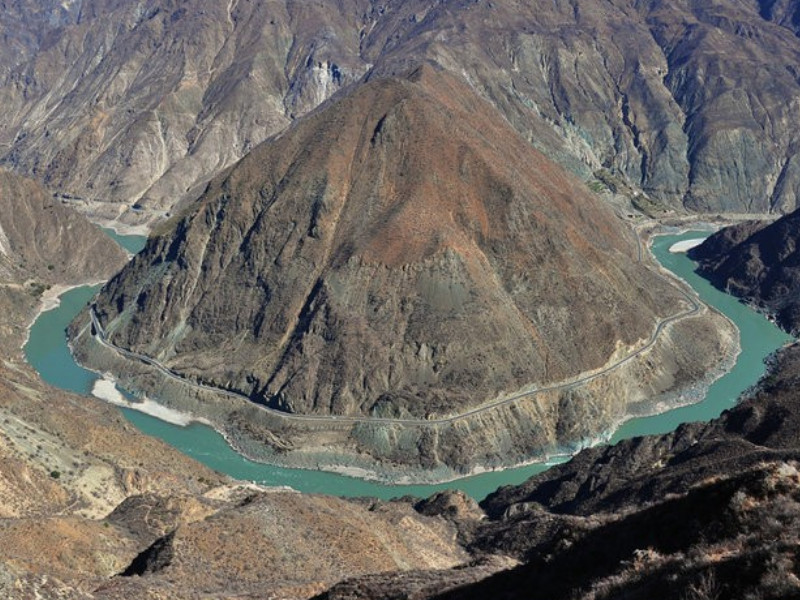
[(400, 252)]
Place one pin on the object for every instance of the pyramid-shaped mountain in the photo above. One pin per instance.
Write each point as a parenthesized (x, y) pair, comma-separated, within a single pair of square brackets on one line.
[(401, 251)]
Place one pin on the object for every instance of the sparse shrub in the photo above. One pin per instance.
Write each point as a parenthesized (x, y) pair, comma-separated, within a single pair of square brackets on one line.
[(37, 289), (705, 588), (780, 581)]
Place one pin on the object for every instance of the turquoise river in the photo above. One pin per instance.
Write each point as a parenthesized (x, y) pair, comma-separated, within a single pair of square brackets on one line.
[(47, 351)]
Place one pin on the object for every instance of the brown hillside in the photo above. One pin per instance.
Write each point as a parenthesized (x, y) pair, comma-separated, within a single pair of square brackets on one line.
[(402, 249)]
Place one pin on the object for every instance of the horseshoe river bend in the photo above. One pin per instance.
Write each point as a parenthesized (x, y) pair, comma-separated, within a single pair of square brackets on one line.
[(47, 351)]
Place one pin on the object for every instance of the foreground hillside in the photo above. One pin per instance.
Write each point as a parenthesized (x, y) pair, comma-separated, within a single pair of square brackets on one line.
[(709, 511), (402, 254), (128, 108)]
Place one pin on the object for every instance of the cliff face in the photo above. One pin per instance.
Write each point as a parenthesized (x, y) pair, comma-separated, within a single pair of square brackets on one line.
[(403, 250), (759, 263), (129, 108)]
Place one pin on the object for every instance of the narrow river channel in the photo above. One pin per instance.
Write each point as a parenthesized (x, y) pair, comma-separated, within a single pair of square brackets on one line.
[(47, 351)]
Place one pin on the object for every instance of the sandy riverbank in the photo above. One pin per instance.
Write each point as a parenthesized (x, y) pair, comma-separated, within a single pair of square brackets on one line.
[(51, 299), (105, 389), (123, 229)]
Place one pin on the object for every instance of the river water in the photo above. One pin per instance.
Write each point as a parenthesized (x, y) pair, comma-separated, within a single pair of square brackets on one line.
[(47, 351)]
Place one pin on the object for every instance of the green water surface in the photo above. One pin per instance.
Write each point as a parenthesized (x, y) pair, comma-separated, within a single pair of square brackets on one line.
[(759, 338), (47, 351), (131, 243)]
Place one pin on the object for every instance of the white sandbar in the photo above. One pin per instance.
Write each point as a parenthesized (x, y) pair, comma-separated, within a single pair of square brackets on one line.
[(106, 390), (686, 245)]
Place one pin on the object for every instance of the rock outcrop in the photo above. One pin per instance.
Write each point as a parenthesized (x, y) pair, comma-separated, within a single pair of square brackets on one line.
[(760, 263)]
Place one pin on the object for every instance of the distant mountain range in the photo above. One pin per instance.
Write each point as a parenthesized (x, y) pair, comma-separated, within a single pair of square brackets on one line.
[(128, 108)]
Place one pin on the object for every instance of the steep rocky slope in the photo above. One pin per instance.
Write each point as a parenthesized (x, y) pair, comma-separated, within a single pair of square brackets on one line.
[(403, 253), (760, 263), (126, 106), (44, 246), (135, 103), (367, 252)]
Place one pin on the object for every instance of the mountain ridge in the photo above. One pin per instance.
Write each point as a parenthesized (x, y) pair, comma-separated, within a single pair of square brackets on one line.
[(758, 262)]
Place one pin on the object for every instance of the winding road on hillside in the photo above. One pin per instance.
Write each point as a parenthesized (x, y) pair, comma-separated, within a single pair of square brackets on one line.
[(695, 307)]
